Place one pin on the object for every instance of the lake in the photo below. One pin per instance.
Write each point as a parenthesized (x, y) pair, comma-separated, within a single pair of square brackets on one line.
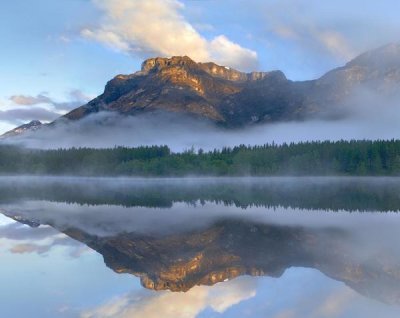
[(199, 247)]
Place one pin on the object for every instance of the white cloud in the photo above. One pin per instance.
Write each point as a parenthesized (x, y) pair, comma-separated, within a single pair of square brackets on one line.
[(24, 239), (158, 27), (29, 248), (30, 100), (41, 107), (76, 98), (335, 43), (177, 305), (18, 116), (335, 304), (311, 36), (232, 53)]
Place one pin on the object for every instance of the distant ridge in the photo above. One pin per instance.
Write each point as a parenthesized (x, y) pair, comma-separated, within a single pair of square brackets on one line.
[(31, 126)]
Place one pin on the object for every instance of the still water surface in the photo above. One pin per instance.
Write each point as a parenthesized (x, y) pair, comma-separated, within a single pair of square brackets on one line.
[(235, 247)]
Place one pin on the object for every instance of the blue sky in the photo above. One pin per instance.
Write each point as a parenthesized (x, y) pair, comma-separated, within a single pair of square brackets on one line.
[(56, 55)]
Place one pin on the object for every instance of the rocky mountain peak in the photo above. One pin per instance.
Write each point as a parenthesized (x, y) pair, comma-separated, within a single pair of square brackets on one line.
[(34, 123), (158, 63), (223, 72), (31, 126)]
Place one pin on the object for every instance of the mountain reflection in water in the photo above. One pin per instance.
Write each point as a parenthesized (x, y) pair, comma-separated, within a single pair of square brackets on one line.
[(215, 231)]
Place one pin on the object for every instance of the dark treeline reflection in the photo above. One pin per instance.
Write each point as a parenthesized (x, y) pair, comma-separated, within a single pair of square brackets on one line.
[(309, 158), (323, 193)]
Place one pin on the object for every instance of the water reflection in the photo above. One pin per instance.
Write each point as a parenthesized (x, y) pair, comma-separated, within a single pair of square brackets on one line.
[(350, 194), (232, 233)]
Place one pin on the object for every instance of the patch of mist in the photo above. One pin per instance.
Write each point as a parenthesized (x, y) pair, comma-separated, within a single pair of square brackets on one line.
[(364, 115)]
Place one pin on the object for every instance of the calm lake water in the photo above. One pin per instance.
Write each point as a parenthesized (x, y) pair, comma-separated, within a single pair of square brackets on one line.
[(235, 247)]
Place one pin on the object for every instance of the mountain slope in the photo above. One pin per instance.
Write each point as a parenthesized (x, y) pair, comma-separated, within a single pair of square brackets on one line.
[(31, 126)]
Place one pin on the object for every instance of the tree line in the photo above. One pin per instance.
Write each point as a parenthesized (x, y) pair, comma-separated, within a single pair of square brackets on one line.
[(359, 158)]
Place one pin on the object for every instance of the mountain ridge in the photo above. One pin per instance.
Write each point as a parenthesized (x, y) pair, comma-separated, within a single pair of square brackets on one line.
[(231, 98)]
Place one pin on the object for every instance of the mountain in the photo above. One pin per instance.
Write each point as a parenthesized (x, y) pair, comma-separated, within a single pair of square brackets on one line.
[(31, 126), (232, 99), (205, 90)]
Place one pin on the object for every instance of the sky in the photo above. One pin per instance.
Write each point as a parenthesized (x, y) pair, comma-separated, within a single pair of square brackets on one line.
[(57, 55)]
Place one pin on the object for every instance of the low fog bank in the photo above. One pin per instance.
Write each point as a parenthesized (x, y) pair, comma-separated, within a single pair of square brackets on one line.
[(364, 116)]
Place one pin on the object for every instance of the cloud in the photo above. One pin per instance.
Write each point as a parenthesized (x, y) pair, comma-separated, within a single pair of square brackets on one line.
[(39, 240), (232, 53), (15, 231), (333, 42), (51, 109), (29, 248), (75, 249), (286, 314), (76, 98), (311, 36), (335, 304), (177, 305), (365, 116), (336, 31), (30, 100), (158, 27), (18, 116)]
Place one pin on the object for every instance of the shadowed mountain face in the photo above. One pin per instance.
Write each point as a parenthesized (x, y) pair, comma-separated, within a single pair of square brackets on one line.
[(178, 85)]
